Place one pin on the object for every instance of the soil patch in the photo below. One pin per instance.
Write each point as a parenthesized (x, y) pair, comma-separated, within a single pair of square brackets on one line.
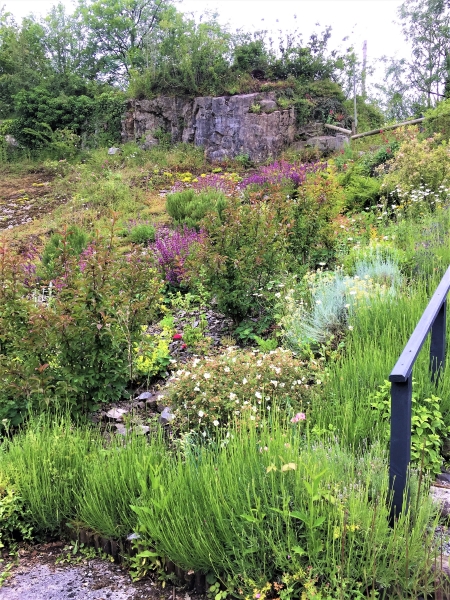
[(25, 198), (37, 577)]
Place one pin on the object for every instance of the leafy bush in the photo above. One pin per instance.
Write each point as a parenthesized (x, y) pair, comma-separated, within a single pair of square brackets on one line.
[(427, 427), (315, 205), (244, 249), (15, 518), (418, 163), (72, 243), (373, 159), (437, 120), (238, 386), (80, 333), (188, 208), (360, 191)]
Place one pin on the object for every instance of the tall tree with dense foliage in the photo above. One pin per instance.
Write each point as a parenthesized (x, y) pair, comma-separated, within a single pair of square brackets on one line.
[(121, 29)]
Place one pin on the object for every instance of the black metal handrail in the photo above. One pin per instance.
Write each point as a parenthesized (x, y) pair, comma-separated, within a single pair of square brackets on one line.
[(434, 319)]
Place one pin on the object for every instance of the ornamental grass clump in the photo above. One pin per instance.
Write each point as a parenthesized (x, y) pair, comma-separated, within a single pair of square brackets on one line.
[(333, 297), (210, 393)]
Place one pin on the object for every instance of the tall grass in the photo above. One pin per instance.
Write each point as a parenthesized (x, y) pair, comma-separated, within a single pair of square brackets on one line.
[(268, 504), (380, 332), (115, 476), (48, 462)]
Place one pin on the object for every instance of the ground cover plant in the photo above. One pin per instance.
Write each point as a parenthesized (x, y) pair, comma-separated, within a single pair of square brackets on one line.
[(271, 475)]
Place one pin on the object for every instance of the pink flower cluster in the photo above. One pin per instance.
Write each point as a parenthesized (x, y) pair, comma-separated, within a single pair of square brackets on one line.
[(298, 417)]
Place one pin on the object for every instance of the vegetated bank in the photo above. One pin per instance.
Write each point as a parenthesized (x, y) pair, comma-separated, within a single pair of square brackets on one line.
[(272, 479)]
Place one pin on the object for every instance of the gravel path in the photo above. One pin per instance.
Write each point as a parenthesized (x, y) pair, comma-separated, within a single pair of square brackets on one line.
[(37, 577)]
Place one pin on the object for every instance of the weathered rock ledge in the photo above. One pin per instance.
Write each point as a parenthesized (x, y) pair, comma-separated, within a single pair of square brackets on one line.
[(226, 126)]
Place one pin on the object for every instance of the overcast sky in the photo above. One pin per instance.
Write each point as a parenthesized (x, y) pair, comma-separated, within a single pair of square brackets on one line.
[(370, 20)]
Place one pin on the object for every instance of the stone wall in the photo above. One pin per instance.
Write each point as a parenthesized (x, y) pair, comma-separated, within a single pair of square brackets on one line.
[(224, 126)]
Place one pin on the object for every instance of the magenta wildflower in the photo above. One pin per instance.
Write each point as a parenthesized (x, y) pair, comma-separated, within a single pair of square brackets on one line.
[(280, 171), (298, 417), (171, 248)]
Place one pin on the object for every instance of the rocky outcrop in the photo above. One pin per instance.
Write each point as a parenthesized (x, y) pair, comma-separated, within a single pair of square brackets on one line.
[(250, 124)]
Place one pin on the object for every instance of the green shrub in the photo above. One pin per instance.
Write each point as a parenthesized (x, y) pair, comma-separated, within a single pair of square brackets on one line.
[(373, 159), (15, 518), (141, 234), (189, 207), (80, 334), (72, 242), (418, 164), (437, 120), (245, 248), (315, 205), (427, 427), (209, 394), (360, 191)]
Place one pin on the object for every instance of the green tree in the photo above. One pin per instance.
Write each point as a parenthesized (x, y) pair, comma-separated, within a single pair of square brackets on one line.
[(23, 61), (426, 26), (120, 29)]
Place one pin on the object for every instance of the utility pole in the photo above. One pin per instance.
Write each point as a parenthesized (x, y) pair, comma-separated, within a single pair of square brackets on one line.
[(355, 113), (364, 71)]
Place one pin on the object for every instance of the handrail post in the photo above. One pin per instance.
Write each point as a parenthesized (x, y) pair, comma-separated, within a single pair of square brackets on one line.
[(437, 347), (400, 449)]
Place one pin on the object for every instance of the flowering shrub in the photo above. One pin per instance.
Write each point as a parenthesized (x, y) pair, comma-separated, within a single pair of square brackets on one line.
[(171, 248), (75, 342), (281, 171), (241, 386), (218, 181), (245, 248), (418, 163)]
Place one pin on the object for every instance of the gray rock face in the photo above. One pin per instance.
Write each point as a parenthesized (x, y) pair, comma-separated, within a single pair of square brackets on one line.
[(325, 143), (224, 126)]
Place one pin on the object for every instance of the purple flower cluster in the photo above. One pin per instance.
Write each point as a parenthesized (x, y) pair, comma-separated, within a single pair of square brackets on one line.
[(171, 248), (85, 256), (212, 180), (280, 171)]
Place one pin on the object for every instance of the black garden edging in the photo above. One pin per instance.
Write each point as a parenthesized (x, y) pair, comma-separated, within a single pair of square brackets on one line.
[(118, 549)]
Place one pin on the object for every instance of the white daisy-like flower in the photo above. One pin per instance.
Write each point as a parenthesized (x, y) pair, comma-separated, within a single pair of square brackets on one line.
[(226, 369), (207, 375), (258, 395), (244, 381), (215, 423), (232, 396), (201, 413)]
